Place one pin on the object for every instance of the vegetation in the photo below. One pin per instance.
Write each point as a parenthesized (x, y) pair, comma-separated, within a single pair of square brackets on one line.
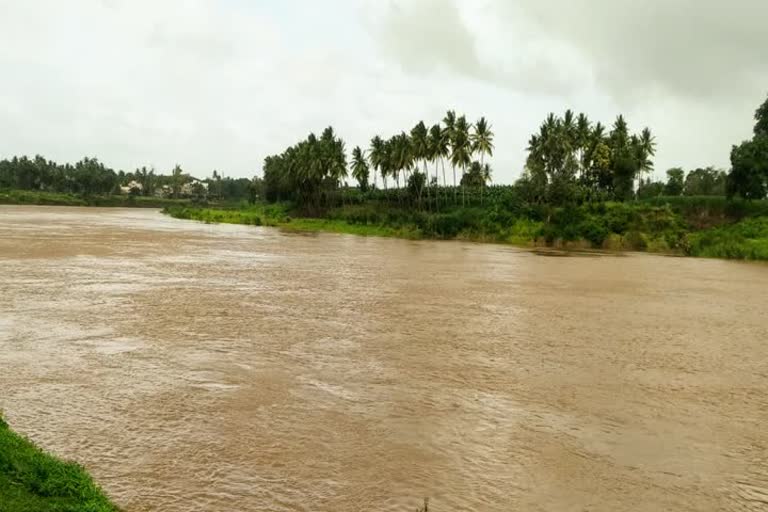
[(34, 481), (747, 240), (583, 186), (749, 161), (90, 182), (59, 199)]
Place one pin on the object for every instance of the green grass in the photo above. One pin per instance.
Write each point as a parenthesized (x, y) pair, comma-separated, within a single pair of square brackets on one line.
[(277, 215), (56, 199), (34, 481)]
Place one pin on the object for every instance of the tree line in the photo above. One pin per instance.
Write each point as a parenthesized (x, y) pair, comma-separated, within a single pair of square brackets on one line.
[(89, 177), (571, 160), (312, 171)]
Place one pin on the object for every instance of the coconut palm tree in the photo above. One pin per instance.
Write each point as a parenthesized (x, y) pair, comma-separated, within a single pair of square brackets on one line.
[(375, 155), (482, 139), (449, 133), (461, 154), (647, 149), (482, 143), (420, 148), (385, 161), (582, 141), (438, 149), (360, 168), (402, 156)]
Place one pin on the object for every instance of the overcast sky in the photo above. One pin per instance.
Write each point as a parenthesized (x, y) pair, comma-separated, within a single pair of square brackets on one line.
[(221, 84)]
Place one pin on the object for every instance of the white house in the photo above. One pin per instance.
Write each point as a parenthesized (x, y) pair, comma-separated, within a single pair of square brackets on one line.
[(133, 184)]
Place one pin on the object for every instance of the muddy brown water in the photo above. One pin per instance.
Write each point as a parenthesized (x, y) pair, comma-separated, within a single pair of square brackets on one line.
[(219, 368)]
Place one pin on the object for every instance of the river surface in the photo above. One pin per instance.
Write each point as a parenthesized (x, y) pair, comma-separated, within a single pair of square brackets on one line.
[(226, 368)]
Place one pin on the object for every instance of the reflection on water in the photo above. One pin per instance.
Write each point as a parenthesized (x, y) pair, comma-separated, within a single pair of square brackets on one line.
[(219, 368)]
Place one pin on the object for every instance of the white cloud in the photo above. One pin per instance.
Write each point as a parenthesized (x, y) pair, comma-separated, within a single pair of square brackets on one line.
[(221, 84)]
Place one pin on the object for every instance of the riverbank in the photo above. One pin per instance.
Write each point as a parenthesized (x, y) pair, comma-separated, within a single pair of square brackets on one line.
[(18, 197), (705, 227), (32, 480)]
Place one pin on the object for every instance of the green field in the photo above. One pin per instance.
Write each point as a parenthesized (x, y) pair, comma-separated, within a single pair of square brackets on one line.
[(32, 480)]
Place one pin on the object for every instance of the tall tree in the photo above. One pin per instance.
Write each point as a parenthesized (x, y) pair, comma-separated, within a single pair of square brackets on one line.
[(461, 149), (375, 155), (749, 161), (177, 180), (482, 143), (675, 182), (450, 134), (420, 148), (360, 168), (761, 118)]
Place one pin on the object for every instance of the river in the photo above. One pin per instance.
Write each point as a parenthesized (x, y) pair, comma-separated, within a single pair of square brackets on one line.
[(219, 368)]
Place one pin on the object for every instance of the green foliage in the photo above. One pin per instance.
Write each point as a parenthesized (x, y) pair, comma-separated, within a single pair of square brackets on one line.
[(307, 172), (636, 226), (749, 169), (52, 198), (747, 239), (647, 189), (675, 182), (87, 177), (569, 159), (360, 169), (34, 481), (761, 119), (90, 178), (705, 182), (749, 161)]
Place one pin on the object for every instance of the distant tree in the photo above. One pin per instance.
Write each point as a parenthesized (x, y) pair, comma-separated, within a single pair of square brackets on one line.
[(482, 143), (749, 169), (360, 168), (749, 161), (198, 193), (177, 180), (450, 136), (147, 180), (648, 189), (416, 183), (420, 148), (309, 172), (675, 182), (477, 176), (705, 182), (761, 118), (461, 149), (255, 189), (375, 155)]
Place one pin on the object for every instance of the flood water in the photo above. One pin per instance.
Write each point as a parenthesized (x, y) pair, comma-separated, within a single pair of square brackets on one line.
[(219, 368)]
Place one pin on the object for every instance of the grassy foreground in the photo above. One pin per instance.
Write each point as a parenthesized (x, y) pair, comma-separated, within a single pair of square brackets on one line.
[(57, 199), (707, 227), (34, 481)]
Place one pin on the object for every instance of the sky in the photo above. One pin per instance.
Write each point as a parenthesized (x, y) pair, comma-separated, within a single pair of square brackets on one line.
[(220, 84)]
